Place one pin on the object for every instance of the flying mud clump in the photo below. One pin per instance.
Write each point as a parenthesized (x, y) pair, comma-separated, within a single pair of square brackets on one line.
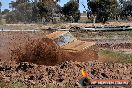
[(42, 51)]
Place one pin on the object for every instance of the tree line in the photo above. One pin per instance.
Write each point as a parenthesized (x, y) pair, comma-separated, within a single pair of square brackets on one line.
[(33, 11)]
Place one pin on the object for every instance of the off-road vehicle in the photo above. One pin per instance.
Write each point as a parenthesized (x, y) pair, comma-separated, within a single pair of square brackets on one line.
[(83, 50)]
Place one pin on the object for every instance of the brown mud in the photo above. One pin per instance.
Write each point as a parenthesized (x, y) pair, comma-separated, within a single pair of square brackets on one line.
[(45, 52), (32, 53)]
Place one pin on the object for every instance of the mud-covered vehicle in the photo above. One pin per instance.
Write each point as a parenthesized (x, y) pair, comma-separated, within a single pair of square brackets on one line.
[(81, 50)]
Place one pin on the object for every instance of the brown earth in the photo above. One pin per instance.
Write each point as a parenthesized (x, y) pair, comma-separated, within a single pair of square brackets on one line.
[(116, 46), (14, 45), (35, 48), (66, 73), (45, 52), (11, 40), (63, 25)]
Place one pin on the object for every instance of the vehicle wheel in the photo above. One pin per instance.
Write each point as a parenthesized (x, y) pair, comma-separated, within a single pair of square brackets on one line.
[(72, 29)]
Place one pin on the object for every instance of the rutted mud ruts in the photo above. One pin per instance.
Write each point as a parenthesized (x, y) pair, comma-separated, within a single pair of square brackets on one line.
[(116, 46), (45, 52), (114, 41), (61, 73), (64, 73)]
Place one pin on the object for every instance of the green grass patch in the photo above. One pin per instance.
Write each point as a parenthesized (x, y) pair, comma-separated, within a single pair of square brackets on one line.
[(130, 35), (18, 84), (117, 56)]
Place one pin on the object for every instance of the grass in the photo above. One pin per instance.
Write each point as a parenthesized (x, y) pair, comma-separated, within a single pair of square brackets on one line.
[(116, 56), (13, 85), (17, 84), (130, 35), (21, 85)]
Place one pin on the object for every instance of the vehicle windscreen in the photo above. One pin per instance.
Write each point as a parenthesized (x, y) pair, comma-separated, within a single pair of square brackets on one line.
[(64, 39)]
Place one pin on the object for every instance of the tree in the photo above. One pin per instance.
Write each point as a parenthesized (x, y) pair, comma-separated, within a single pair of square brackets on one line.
[(23, 9), (0, 11), (0, 5), (71, 10), (102, 9), (46, 9), (32, 10), (12, 17), (5, 11), (113, 9), (12, 5), (126, 10)]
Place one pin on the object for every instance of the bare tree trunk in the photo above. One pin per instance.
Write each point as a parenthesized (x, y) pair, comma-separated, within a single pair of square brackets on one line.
[(94, 20), (0, 12)]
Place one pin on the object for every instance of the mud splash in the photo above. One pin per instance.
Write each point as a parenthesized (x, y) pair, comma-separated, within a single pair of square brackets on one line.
[(45, 52)]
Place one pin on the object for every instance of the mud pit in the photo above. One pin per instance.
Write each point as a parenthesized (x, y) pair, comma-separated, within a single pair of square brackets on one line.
[(66, 73), (60, 74), (116, 46), (45, 52), (42, 52), (11, 40), (36, 48)]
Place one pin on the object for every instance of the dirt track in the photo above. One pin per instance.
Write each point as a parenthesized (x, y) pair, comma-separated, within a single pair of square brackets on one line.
[(11, 41), (66, 72)]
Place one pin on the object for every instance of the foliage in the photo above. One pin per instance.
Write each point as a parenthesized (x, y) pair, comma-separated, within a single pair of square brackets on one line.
[(18, 84), (44, 10), (5, 11), (126, 10), (103, 9), (21, 11), (71, 10), (0, 13), (76, 16), (11, 17), (28, 11), (32, 10), (47, 9)]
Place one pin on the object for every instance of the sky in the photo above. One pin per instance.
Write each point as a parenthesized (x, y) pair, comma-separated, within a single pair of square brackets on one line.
[(5, 4)]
